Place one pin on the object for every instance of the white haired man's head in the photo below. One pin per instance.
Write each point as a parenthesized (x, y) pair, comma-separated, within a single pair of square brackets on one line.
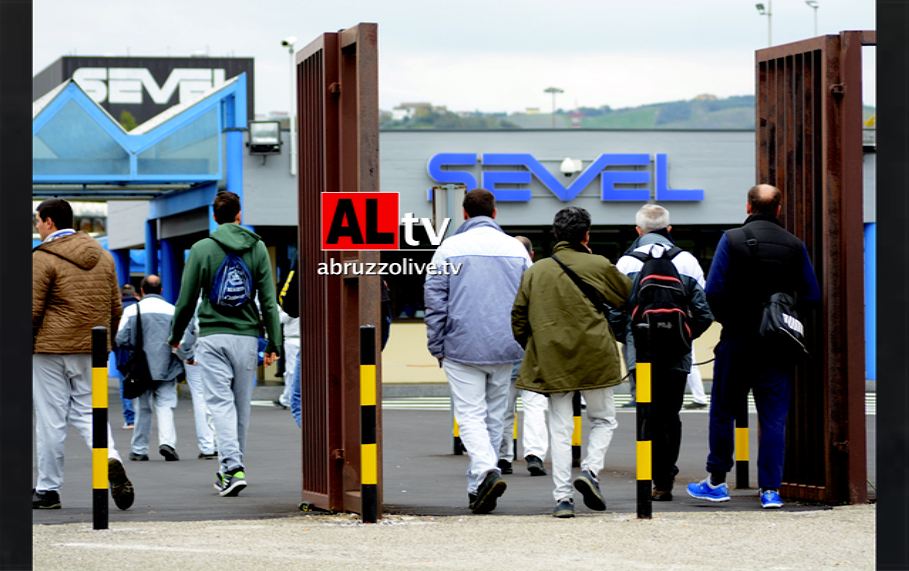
[(651, 217)]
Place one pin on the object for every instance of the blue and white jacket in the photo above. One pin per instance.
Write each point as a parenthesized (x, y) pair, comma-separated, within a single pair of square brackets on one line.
[(157, 315), (468, 314)]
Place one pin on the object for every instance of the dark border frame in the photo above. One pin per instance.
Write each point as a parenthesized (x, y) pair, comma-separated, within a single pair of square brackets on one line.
[(15, 287), (893, 306)]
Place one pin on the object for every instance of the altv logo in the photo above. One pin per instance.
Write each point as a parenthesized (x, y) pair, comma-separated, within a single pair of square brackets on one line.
[(126, 85), (370, 221)]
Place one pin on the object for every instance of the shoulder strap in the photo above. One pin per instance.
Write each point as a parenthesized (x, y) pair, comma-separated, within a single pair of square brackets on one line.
[(595, 297), (750, 239), (640, 256), (139, 341)]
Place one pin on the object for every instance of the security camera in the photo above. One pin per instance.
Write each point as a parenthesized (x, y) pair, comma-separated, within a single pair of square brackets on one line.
[(289, 41), (570, 167)]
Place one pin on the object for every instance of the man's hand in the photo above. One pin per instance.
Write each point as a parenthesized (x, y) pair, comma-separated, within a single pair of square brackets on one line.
[(175, 344), (269, 358)]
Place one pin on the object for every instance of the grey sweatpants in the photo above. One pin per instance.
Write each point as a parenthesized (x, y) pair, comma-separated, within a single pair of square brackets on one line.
[(228, 364), (62, 389)]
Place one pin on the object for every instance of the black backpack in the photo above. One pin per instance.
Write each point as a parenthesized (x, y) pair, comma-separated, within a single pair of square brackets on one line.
[(660, 316)]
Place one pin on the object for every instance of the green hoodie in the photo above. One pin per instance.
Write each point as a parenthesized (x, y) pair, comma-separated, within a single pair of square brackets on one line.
[(204, 258)]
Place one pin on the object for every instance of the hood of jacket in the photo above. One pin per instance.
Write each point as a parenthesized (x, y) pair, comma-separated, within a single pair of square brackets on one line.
[(235, 237), (79, 249)]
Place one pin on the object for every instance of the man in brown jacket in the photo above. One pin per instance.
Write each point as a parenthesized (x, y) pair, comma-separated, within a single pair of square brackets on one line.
[(74, 288), (570, 347)]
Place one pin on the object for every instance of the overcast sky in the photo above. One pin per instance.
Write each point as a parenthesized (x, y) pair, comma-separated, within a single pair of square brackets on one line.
[(487, 55)]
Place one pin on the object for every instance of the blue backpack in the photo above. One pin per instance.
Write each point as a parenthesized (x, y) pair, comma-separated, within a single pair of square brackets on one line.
[(232, 285)]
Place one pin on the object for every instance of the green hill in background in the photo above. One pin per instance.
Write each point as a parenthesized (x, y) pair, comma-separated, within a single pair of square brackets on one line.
[(702, 112)]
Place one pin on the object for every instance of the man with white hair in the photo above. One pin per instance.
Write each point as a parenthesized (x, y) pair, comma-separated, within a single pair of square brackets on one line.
[(669, 370)]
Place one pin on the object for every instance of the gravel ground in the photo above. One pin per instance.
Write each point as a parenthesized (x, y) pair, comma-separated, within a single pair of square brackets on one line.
[(840, 538)]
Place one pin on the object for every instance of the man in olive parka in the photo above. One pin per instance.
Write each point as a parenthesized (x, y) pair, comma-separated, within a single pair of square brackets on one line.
[(570, 347)]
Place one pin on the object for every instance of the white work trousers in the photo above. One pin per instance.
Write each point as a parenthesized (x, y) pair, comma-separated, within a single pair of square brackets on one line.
[(695, 383), (291, 354), (62, 393), (600, 415), (479, 397), (162, 398), (534, 435), (205, 432)]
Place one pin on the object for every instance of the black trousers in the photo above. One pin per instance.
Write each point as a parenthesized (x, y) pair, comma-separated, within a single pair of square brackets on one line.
[(667, 393)]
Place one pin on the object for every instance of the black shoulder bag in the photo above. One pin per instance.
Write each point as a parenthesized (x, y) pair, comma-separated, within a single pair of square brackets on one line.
[(780, 324), (137, 377), (596, 298)]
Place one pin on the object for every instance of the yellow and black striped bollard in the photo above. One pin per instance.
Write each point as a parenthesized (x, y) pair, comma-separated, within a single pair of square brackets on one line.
[(514, 435), (457, 445), (576, 434), (99, 428), (369, 461), (644, 443), (742, 452)]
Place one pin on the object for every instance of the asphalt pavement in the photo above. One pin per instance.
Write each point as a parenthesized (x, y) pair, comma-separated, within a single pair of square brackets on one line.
[(421, 475)]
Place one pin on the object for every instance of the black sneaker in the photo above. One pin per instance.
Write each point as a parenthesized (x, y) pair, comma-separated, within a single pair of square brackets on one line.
[(49, 500), (121, 489), (564, 508), (170, 455), (505, 467), (279, 404), (208, 456), (231, 483), (659, 495), (587, 484), (138, 457), (489, 491), (535, 466)]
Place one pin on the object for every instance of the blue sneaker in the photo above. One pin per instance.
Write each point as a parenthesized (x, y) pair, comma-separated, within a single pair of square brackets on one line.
[(770, 499), (704, 490)]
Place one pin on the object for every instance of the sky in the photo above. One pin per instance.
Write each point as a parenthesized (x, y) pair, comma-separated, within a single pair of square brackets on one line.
[(484, 55)]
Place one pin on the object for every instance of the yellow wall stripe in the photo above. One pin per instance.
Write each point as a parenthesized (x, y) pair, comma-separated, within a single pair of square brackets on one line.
[(367, 385), (741, 444), (643, 379), (99, 468), (369, 464), (576, 435), (99, 387), (644, 460)]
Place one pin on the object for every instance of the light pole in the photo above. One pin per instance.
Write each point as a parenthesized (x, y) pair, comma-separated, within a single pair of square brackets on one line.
[(553, 91), (767, 12), (813, 4), (291, 111)]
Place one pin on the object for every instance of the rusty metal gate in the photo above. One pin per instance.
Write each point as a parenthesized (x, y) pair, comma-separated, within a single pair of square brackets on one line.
[(338, 110), (809, 144)]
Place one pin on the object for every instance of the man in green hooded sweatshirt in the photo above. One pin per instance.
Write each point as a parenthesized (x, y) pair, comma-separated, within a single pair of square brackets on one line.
[(230, 268)]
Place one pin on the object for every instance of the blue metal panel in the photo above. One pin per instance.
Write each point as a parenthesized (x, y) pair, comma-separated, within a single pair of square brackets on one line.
[(151, 247), (170, 271), (871, 301), (121, 261)]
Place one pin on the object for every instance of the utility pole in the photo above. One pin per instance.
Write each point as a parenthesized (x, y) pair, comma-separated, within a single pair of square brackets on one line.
[(554, 91)]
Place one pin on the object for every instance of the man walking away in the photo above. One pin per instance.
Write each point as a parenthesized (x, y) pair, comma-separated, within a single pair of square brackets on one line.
[(128, 297), (229, 268), (74, 288), (469, 332), (534, 435), (751, 264), (155, 315), (205, 432), (669, 369), (570, 347)]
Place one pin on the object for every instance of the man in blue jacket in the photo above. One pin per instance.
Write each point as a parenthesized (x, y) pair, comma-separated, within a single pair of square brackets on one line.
[(468, 324), (751, 264)]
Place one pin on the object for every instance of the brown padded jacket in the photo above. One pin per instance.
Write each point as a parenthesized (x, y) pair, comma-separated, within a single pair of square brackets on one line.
[(74, 288)]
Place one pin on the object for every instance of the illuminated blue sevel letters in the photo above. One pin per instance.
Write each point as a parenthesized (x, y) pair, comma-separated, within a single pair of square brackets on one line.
[(492, 180)]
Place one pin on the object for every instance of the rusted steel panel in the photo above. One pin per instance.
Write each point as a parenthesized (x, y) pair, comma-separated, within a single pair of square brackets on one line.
[(337, 77), (808, 143)]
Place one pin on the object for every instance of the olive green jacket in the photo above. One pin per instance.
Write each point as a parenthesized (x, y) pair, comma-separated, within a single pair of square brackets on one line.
[(569, 345)]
